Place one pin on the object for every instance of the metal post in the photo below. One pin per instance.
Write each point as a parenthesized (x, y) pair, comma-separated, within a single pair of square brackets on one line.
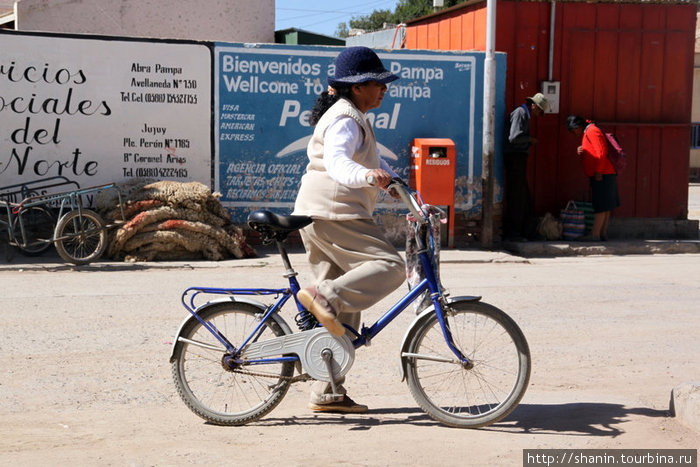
[(552, 20), (487, 176)]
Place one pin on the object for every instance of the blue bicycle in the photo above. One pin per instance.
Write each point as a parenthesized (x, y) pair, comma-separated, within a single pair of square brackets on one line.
[(466, 362)]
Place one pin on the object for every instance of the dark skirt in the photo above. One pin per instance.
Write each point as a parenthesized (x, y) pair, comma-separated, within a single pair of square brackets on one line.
[(604, 193)]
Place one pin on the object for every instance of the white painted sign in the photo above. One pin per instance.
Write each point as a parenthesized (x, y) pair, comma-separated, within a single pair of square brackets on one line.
[(98, 111)]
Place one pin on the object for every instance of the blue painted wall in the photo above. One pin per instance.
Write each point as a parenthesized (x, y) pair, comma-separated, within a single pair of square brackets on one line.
[(263, 95)]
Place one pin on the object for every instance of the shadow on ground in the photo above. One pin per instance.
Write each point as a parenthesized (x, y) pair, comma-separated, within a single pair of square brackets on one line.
[(577, 419), (583, 418)]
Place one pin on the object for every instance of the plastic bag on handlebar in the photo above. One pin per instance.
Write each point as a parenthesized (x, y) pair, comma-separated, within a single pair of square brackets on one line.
[(414, 267)]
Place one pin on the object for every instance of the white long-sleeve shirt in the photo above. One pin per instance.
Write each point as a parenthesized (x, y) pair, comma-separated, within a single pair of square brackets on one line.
[(342, 139)]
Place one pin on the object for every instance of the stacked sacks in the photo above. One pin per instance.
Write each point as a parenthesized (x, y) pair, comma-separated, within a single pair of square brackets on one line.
[(171, 220)]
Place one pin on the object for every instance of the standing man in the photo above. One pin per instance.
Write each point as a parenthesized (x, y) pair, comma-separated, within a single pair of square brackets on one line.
[(519, 221)]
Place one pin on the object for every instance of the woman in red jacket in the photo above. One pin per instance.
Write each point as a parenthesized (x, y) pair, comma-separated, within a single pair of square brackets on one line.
[(600, 171)]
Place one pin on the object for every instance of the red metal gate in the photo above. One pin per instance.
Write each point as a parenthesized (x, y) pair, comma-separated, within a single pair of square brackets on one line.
[(628, 66)]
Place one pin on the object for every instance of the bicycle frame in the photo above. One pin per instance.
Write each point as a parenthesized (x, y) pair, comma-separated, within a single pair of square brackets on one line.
[(430, 283)]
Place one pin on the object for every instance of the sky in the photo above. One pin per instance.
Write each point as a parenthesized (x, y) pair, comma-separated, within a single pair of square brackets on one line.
[(323, 16)]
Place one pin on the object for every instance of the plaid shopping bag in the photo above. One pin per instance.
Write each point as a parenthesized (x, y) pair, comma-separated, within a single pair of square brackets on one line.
[(587, 208), (573, 221)]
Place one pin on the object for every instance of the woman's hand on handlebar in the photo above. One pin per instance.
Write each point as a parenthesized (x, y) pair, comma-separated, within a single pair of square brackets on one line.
[(378, 177)]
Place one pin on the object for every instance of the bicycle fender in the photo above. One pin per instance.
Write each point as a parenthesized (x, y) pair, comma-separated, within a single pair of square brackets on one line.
[(261, 306), (424, 315)]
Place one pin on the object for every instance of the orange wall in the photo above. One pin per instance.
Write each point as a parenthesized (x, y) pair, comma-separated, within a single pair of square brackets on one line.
[(627, 66)]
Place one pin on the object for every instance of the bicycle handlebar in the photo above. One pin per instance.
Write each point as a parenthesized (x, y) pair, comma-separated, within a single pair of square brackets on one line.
[(408, 197)]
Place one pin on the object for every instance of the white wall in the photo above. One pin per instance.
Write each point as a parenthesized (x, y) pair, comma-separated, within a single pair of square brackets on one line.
[(211, 20), (386, 39)]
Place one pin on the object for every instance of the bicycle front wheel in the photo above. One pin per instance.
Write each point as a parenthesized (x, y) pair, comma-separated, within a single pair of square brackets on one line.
[(80, 236), (214, 390), (468, 397)]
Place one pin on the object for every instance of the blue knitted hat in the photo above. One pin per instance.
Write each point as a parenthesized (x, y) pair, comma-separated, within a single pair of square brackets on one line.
[(356, 65)]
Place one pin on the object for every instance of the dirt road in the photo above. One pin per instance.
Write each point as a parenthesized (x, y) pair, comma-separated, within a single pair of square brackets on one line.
[(85, 379)]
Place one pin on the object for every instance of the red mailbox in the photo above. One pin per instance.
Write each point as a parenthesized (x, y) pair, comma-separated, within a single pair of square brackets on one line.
[(433, 175)]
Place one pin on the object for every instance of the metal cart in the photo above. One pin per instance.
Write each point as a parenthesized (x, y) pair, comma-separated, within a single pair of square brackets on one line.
[(34, 218)]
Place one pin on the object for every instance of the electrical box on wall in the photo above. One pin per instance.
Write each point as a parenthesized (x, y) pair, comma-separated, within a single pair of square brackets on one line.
[(550, 89)]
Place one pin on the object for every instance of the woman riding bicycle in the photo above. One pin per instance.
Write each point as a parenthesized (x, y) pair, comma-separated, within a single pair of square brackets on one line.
[(353, 263)]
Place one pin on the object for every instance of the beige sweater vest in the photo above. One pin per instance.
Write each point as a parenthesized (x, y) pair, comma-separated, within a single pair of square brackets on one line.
[(322, 197)]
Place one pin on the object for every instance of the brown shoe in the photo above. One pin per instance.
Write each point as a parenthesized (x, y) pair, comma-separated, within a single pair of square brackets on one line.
[(347, 405), (321, 309)]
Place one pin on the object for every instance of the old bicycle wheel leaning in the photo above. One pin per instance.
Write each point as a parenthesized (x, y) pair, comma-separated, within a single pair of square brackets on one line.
[(468, 397), (80, 236), (214, 384), (32, 228)]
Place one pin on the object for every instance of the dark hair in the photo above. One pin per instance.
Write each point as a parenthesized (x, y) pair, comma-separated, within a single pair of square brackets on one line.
[(325, 101), (574, 121)]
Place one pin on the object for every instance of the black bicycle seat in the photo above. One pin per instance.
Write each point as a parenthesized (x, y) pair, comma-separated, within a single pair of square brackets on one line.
[(276, 226)]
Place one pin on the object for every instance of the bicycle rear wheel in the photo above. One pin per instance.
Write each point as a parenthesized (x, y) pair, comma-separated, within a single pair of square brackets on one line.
[(215, 392), (453, 394), (80, 236)]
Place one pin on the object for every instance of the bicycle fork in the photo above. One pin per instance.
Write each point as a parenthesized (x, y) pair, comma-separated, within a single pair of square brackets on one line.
[(437, 297)]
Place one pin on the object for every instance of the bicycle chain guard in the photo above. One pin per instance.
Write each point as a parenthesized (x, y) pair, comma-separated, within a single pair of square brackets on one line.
[(308, 346)]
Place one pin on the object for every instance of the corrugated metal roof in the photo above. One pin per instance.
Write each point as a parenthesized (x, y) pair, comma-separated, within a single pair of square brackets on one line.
[(469, 3)]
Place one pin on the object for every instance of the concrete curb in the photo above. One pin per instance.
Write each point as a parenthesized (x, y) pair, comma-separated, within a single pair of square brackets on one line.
[(685, 404), (512, 252), (613, 247), (266, 256)]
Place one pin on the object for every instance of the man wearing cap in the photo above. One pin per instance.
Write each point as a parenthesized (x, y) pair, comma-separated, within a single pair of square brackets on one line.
[(519, 221), (353, 263)]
